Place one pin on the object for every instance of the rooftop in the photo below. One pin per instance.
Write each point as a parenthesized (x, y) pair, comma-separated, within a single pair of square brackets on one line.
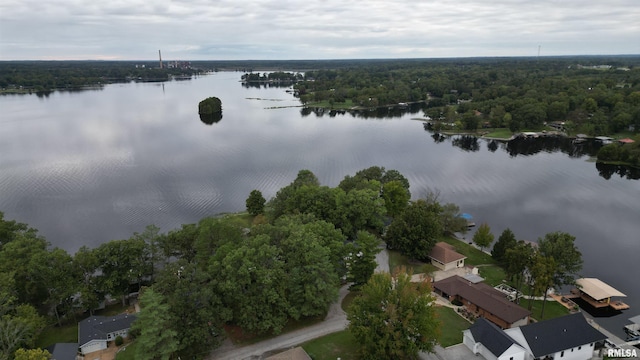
[(445, 253), (597, 289)]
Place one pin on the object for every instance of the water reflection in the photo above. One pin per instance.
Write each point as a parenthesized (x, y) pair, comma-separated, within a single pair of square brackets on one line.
[(382, 112), (531, 146), (211, 119)]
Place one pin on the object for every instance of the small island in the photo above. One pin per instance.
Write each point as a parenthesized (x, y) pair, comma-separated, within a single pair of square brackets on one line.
[(210, 110)]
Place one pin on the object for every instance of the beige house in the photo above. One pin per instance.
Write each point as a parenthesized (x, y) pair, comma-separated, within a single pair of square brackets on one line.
[(444, 257)]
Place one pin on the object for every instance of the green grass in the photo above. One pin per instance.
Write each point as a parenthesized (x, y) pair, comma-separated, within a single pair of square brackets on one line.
[(129, 353), (474, 256), (53, 334), (552, 309), (330, 347), (348, 104), (396, 259), (501, 133), (492, 274), (452, 326)]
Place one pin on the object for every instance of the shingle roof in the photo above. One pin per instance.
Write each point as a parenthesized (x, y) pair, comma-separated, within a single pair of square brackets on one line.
[(484, 296), (491, 336), (445, 253), (63, 351), (97, 327), (566, 332)]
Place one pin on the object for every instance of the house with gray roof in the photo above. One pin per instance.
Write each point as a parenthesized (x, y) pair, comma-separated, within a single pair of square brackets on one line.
[(95, 332), (569, 337), (486, 339), (63, 351)]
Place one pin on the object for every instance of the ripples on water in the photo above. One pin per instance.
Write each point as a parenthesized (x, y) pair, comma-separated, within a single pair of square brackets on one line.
[(85, 168)]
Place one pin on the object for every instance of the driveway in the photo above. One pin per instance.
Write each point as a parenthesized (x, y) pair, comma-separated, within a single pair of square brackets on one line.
[(335, 321)]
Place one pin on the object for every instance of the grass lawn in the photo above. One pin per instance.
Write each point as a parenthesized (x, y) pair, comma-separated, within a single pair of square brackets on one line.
[(397, 259), (452, 326), (501, 133), (333, 346), (552, 309), (53, 334), (492, 274), (129, 353), (474, 256)]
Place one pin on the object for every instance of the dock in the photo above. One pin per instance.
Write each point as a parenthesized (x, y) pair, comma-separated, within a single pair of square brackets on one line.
[(598, 294)]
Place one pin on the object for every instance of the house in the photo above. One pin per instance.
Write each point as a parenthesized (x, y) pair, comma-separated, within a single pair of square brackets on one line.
[(63, 351), (486, 339), (483, 300), (296, 353), (95, 332), (444, 256), (569, 337)]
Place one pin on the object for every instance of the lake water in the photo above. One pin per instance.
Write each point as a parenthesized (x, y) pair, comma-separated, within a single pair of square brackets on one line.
[(92, 166)]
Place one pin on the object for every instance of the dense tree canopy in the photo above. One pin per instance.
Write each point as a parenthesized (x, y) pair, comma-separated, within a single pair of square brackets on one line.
[(416, 230), (394, 318)]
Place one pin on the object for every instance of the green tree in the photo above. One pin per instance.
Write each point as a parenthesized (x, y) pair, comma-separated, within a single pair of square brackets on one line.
[(210, 105), (13, 335), (21, 257), (415, 231), (255, 203), (506, 240), (196, 307), (122, 263), (452, 222), (518, 260), (86, 264), (560, 247), (396, 197), (251, 275), (59, 277), (361, 260), (394, 318), (157, 339), (541, 272), (32, 354), (483, 236), (154, 255), (180, 243)]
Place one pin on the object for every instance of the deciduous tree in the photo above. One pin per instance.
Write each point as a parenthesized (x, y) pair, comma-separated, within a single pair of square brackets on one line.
[(483, 236), (394, 318), (255, 203), (361, 261), (416, 230)]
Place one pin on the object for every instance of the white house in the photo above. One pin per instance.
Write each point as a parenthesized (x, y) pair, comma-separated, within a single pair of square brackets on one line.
[(95, 332), (486, 339)]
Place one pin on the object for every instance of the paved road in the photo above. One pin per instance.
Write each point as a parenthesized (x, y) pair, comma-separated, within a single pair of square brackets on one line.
[(335, 321)]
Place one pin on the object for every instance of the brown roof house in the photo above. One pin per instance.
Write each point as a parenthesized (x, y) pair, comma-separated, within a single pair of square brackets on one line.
[(444, 257), (484, 301)]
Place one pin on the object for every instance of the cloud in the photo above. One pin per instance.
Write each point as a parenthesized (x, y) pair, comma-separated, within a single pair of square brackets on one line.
[(270, 29)]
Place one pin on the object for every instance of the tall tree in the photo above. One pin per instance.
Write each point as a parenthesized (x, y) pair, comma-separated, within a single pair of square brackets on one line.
[(394, 318), (396, 197), (518, 260), (86, 263), (416, 230), (122, 264), (560, 246), (251, 275), (506, 240), (483, 236), (196, 307), (153, 251), (32, 354), (541, 272), (157, 339), (361, 261), (255, 203)]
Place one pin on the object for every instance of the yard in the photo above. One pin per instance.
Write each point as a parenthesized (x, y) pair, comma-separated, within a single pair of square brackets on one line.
[(452, 326), (340, 345), (474, 256), (396, 259)]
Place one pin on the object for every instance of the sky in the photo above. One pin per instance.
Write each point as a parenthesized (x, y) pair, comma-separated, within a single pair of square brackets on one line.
[(314, 29)]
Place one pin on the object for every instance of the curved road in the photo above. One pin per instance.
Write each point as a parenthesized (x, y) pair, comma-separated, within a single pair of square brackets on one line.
[(335, 321)]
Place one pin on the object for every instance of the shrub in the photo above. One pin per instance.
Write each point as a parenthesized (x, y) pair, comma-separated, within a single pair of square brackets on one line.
[(119, 340)]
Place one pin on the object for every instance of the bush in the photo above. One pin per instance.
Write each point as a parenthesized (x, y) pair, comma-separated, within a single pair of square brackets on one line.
[(119, 340)]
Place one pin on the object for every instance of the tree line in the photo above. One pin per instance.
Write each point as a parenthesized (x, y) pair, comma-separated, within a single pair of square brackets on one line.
[(467, 94)]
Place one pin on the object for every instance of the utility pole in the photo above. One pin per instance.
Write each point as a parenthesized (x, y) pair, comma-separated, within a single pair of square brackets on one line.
[(160, 56)]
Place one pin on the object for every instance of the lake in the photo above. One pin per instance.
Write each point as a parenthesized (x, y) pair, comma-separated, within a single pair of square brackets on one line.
[(87, 167)]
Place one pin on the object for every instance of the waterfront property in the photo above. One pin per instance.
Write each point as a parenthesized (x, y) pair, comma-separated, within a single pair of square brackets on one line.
[(598, 294), (483, 300), (568, 337), (445, 257)]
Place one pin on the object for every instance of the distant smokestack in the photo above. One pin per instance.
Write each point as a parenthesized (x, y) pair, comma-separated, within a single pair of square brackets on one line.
[(160, 56)]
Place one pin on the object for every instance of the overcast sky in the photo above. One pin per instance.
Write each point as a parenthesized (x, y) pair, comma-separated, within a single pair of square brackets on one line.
[(314, 29)]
